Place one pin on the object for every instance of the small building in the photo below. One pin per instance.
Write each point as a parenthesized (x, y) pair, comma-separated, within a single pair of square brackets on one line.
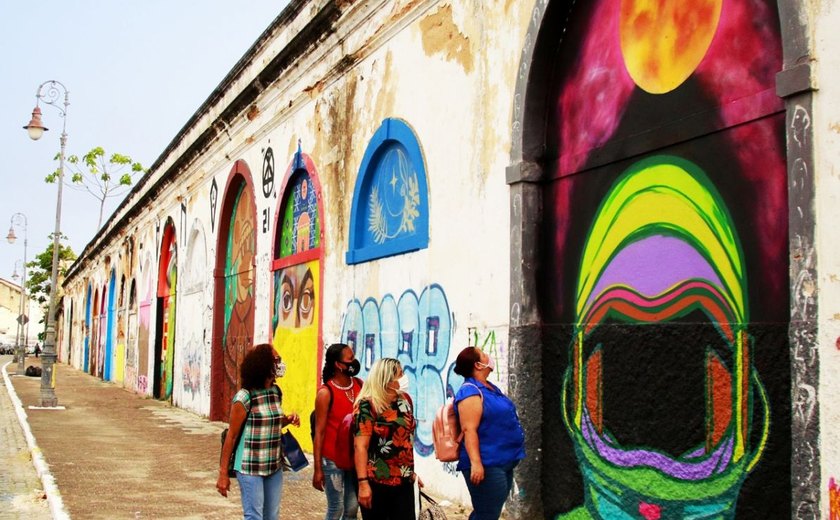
[(10, 310), (620, 202)]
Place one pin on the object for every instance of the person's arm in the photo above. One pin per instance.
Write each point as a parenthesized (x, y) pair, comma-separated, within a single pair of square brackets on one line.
[(361, 442), (237, 422), (322, 409), (360, 458), (469, 411)]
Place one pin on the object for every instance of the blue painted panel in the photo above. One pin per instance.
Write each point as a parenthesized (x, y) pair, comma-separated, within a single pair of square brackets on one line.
[(390, 213), (109, 336)]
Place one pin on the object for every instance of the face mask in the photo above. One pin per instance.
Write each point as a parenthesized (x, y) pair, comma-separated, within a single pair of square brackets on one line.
[(279, 369), (403, 381), (491, 365), (352, 368)]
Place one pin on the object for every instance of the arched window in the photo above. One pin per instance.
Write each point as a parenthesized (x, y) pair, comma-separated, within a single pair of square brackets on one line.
[(390, 212)]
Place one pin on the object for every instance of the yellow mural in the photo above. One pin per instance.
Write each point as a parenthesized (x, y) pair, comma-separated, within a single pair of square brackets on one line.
[(295, 322)]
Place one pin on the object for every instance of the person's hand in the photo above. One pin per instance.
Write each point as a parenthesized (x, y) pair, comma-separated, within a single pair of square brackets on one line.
[(223, 483), (318, 479), (365, 495), (293, 419), (419, 481), (477, 473)]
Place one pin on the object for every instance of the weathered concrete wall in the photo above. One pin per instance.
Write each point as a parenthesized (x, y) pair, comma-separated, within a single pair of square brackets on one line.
[(826, 128), (444, 70)]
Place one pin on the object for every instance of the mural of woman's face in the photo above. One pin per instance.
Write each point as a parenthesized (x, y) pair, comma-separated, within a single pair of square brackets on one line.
[(296, 299)]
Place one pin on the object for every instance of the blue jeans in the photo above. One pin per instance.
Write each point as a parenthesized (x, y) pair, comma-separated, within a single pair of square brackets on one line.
[(489, 496), (342, 491), (261, 495)]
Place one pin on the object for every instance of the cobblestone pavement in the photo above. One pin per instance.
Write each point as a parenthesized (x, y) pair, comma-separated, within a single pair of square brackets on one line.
[(115, 455), (21, 494)]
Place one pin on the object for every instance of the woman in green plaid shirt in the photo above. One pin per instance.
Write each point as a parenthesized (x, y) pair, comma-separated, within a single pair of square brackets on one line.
[(257, 414)]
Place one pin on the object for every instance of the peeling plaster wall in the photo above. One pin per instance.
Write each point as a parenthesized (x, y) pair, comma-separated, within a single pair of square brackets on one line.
[(826, 126), (448, 70)]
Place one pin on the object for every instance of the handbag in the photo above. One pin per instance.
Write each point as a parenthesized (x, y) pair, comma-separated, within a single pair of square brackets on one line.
[(293, 456), (433, 510)]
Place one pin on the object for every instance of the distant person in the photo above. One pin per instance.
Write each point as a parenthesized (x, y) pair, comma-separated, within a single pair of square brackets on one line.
[(257, 413), (494, 442), (37, 350), (333, 402), (384, 444)]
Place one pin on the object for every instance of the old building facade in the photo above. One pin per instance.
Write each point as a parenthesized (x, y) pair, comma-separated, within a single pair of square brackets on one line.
[(413, 177)]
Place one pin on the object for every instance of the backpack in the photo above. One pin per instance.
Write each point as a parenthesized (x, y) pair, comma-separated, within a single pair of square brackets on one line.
[(344, 436), (446, 430)]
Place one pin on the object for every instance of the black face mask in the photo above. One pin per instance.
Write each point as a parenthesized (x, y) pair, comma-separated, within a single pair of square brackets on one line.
[(352, 368)]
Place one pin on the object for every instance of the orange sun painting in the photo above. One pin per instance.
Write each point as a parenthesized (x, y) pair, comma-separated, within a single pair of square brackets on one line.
[(663, 41)]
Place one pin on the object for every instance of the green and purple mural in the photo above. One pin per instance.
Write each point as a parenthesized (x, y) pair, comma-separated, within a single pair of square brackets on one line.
[(665, 276)]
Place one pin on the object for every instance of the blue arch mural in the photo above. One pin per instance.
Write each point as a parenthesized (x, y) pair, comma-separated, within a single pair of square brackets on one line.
[(107, 371), (88, 311), (390, 213), (418, 332)]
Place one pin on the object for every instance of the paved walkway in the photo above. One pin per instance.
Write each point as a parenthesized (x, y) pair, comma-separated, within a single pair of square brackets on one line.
[(115, 454), (21, 493)]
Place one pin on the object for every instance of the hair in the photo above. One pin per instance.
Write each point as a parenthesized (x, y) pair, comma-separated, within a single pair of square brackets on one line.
[(375, 388), (333, 354), (257, 366), (465, 363)]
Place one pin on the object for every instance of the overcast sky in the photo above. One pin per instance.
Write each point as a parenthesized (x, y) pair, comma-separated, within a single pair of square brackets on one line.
[(136, 71)]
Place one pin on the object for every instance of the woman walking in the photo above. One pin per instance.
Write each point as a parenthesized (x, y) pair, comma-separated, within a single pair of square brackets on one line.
[(494, 442), (333, 402), (257, 415), (384, 444)]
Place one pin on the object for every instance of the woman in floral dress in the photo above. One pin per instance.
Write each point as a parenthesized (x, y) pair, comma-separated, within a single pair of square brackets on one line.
[(384, 444)]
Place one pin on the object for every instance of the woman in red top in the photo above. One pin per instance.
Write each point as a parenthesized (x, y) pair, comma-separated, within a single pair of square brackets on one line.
[(333, 402)]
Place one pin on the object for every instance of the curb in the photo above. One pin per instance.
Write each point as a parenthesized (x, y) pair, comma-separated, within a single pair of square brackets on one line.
[(41, 467)]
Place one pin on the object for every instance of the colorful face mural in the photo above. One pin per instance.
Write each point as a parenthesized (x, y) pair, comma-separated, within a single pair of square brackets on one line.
[(296, 322), (295, 325), (667, 283), (239, 291)]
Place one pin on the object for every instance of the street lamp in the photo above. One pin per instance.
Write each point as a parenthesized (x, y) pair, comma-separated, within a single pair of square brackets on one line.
[(19, 219), (36, 129)]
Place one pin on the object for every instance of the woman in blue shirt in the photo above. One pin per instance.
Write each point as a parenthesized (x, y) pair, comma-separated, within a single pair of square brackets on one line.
[(494, 442)]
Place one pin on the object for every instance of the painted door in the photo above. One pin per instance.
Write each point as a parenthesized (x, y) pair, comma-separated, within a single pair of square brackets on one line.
[(666, 273), (165, 346)]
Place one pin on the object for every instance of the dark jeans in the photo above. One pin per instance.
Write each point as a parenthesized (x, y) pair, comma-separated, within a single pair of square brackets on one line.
[(391, 502), (489, 496)]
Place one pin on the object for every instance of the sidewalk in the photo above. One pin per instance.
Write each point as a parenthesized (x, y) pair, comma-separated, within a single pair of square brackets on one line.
[(115, 454), (21, 493)]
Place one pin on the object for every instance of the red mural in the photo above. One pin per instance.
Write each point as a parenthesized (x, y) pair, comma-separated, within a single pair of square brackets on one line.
[(234, 313)]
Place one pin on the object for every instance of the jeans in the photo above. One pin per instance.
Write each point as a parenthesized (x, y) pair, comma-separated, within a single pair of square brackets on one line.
[(341, 489), (489, 496), (261, 495)]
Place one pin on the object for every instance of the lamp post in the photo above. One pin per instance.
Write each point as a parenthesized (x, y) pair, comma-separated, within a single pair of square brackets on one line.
[(19, 219), (36, 129)]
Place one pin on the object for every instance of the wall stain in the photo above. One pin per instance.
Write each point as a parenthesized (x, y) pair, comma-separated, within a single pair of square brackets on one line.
[(442, 36)]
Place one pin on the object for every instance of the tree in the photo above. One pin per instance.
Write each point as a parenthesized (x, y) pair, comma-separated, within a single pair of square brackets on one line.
[(39, 274), (103, 178)]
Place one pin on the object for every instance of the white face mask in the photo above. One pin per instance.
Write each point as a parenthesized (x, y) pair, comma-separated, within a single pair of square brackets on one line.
[(490, 364), (403, 381), (279, 369)]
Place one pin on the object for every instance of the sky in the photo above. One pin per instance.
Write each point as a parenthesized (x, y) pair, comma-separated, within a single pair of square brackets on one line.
[(136, 72)]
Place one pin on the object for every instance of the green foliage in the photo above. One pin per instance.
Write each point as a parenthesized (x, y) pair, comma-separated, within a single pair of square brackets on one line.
[(100, 175), (39, 271)]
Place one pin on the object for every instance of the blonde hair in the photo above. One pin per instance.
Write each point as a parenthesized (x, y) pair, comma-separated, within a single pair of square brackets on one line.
[(375, 388)]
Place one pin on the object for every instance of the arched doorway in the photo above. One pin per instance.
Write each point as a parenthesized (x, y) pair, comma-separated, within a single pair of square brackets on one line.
[(297, 302), (88, 329), (233, 320), (165, 331), (108, 366), (661, 312)]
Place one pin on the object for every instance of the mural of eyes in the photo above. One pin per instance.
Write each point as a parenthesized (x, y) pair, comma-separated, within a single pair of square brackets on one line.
[(297, 299)]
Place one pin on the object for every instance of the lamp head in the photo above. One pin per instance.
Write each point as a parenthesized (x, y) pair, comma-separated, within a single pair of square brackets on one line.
[(11, 237), (36, 127)]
